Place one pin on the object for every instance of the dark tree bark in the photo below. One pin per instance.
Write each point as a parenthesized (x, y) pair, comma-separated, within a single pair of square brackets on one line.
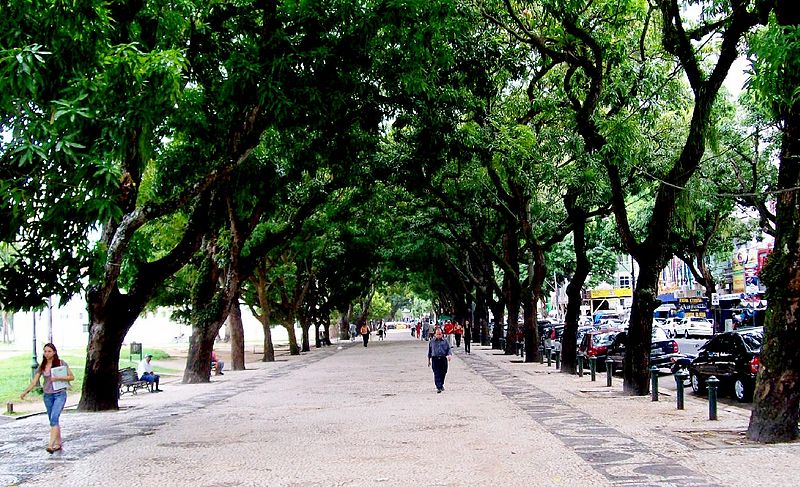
[(776, 408), (574, 289), (259, 280), (109, 325), (236, 330), (537, 274)]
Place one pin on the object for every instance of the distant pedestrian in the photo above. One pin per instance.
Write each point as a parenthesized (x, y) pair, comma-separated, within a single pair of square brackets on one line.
[(419, 330), (467, 336), (458, 330), (353, 332), (439, 354), (57, 376), (364, 333), (385, 330)]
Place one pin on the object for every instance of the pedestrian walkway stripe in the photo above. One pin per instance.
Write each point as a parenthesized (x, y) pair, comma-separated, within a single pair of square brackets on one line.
[(623, 460)]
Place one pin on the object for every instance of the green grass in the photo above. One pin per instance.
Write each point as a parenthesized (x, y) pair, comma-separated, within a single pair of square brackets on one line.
[(17, 372)]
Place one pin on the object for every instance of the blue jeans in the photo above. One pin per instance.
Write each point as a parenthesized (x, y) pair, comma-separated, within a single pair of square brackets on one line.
[(55, 404)]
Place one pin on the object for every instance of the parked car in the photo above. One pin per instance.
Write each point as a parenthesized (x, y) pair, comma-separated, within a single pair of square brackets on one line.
[(694, 326), (732, 357), (582, 330), (610, 323), (595, 344), (662, 349), (669, 325)]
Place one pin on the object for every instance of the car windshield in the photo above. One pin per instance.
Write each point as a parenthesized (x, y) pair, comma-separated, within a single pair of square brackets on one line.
[(752, 341), (603, 338)]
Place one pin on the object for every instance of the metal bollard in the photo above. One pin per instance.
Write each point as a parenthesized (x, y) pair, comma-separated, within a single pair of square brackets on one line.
[(654, 383), (593, 366), (547, 352), (580, 365), (541, 354), (609, 371), (680, 380), (712, 384), (10, 407), (558, 359)]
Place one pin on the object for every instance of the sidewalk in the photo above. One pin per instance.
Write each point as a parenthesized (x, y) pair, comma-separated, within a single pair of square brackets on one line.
[(360, 416), (33, 405)]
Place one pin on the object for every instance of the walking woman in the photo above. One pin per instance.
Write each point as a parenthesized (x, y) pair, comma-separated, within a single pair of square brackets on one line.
[(55, 391), (365, 333)]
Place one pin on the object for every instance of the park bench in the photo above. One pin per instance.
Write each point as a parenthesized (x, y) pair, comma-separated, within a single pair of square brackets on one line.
[(130, 382)]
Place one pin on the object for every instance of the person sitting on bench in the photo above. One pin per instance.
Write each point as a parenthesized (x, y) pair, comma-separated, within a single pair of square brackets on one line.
[(219, 363), (145, 373)]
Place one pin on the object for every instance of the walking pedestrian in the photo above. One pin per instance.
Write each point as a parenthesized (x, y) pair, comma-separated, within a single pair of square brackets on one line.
[(458, 331), (57, 376), (439, 354), (467, 336), (419, 330), (365, 333), (353, 332)]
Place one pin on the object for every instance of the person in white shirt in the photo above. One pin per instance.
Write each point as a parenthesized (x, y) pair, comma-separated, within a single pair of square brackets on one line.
[(145, 373)]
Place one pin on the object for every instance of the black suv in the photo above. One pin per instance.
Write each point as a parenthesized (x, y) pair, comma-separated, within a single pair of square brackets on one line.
[(662, 349), (732, 357)]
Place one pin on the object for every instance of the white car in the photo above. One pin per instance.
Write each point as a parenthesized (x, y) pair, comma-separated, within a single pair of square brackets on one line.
[(694, 326), (670, 324)]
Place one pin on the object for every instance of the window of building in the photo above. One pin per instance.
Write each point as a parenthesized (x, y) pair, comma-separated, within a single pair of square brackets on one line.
[(625, 281)]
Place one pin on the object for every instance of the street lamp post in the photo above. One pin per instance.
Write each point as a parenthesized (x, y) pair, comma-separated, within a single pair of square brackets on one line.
[(34, 361)]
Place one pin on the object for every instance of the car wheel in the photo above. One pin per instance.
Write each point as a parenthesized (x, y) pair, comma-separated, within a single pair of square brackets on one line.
[(742, 390), (685, 333), (698, 385)]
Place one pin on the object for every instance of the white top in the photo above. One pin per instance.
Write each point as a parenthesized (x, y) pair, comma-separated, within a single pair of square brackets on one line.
[(144, 366)]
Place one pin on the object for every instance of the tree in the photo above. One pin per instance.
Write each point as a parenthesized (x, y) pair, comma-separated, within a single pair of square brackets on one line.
[(776, 407)]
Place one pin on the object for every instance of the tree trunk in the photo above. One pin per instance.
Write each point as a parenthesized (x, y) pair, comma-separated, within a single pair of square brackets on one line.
[(236, 330), (640, 329), (344, 323), (498, 310), (777, 395), (305, 326), (269, 348), (293, 348), (569, 341), (532, 321), (109, 323), (198, 362)]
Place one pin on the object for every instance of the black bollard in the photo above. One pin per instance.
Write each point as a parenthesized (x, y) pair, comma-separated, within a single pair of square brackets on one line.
[(593, 366), (547, 352), (609, 371), (558, 359), (712, 384), (680, 380), (654, 383), (580, 365)]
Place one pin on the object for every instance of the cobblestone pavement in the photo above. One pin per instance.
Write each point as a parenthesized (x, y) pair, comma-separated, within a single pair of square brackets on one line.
[(358, 416)]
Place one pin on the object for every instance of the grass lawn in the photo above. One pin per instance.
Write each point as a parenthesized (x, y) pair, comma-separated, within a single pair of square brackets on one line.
[(17, 372)]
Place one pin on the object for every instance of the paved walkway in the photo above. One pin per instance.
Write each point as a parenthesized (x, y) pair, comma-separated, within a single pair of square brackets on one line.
[(365, 417)]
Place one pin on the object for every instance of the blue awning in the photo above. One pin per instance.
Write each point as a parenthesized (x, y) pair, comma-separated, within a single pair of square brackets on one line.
[(667, 298)]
